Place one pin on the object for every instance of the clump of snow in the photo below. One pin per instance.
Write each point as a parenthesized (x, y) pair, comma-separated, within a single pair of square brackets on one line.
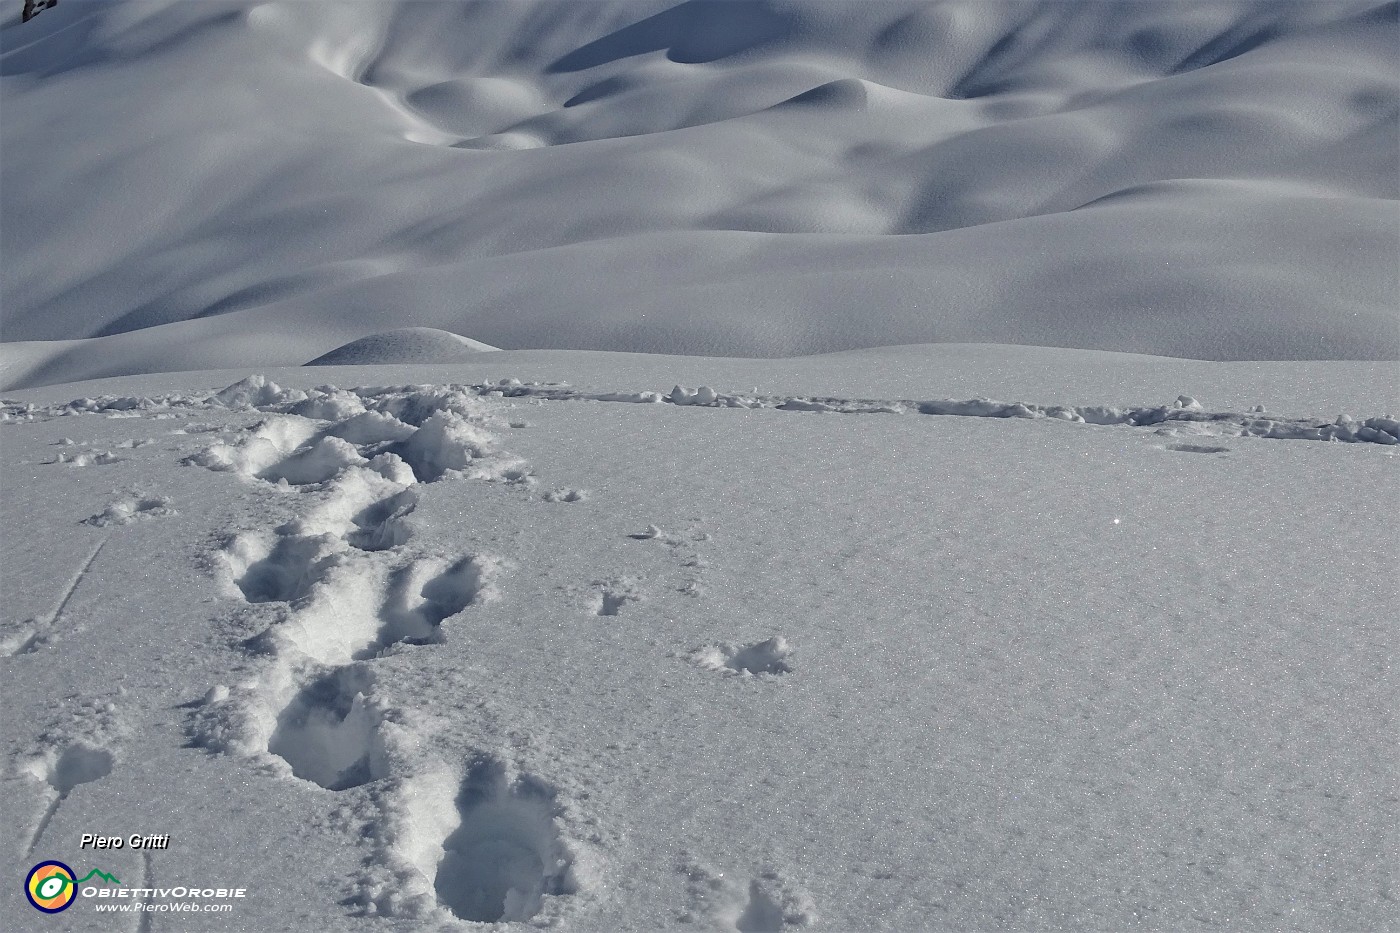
[(449, 443), (257, 450), (701, 396), (88, 458), (255, 391), (316, 463), (332, 405)]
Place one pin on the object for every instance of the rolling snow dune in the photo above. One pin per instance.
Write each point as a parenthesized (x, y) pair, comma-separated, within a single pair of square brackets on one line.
[(404, 345), (200, 185)]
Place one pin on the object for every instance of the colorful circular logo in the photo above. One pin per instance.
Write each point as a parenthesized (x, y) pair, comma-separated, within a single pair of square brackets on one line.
[(50, 887)]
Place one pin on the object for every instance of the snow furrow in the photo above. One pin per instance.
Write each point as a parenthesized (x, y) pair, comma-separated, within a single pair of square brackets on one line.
[(35, 633)]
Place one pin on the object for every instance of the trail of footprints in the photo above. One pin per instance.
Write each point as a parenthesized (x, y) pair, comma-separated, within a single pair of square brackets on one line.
[(351, 593), (351, 590), (343, 587)]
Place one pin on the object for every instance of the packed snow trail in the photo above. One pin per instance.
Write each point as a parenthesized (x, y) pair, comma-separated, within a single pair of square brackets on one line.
[(352, 589), (257, 392)]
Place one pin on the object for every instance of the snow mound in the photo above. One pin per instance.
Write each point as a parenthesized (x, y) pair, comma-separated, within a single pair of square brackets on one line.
[(404, 345)]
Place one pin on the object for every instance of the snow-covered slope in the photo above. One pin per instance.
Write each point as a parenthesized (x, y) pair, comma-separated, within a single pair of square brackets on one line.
[(1059, 595), (192, 185), (755, 655)]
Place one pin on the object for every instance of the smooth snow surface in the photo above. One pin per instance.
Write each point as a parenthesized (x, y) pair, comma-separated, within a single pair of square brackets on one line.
[(216, 184), (846, 649)]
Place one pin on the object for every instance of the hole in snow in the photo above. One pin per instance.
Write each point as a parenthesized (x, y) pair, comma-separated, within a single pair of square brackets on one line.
[(381, 525), (284, 573), (762, 914), (505, 856), (325, 733), (764, 657), (80, 764)]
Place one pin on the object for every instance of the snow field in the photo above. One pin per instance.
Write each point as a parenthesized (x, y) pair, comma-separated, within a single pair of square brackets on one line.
[(953, 632), (660, 705)]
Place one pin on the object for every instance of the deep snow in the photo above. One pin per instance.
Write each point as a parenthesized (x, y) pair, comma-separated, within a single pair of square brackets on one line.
[(1007, 616), (616, 659)]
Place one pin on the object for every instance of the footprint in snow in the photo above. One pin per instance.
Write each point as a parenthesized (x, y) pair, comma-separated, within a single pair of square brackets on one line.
[(768, 903), (126, 511), (613, 595), (504, 856), (79, 763), (772, 656)]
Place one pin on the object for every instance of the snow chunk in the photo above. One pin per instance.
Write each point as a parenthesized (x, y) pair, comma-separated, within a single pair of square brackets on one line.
[(333, 405), (371, 427), (701, 396), (266, 452), (89, 458), (447, 443), (255, 392)]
